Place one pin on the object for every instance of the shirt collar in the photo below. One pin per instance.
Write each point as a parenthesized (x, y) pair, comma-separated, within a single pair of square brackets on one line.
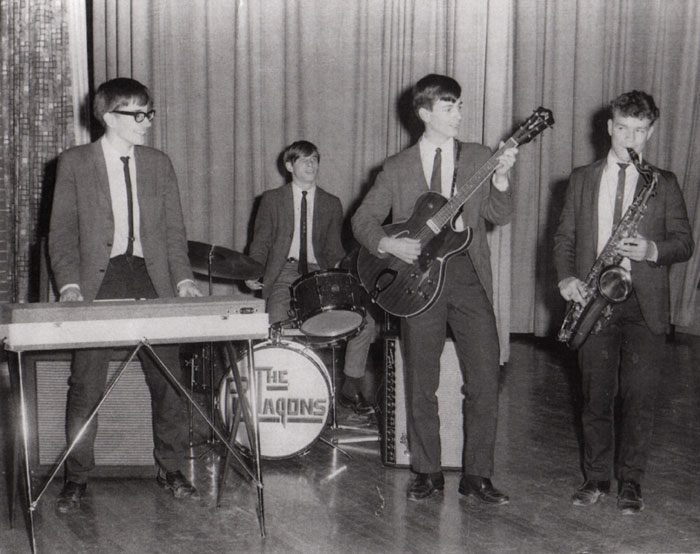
[(298, 190), (111, 151), (612, 160), (446, 147)]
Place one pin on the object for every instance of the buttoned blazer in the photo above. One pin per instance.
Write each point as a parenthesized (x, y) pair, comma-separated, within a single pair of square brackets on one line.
[(82, 221), (274, 230), (665, 222), (400, 183)]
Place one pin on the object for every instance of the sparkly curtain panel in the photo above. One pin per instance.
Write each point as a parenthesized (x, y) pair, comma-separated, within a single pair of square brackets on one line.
[(36, 121)]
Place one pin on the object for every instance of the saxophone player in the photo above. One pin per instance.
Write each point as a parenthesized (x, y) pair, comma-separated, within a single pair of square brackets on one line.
[(621, 362)]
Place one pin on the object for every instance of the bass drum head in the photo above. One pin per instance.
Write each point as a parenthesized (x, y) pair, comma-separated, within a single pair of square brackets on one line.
[(293, 399)]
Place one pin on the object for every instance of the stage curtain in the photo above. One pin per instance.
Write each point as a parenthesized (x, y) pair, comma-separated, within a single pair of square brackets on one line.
[(235, 82), (36, 122)]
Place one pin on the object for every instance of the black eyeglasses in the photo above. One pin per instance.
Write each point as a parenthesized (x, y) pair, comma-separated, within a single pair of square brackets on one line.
[(138, 116)]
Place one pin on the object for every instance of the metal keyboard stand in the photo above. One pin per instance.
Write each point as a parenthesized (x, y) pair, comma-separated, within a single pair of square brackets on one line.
[(242, 408), (250, 416)]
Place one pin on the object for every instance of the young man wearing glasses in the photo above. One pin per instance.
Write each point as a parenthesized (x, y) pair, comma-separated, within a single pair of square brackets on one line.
[(117, 232)]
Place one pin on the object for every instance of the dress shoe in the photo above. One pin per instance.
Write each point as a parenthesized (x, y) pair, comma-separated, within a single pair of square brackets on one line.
[(629, 499), (69, 498), (177, 483), (482, 489), (356, 403), (590, 492), (426, 485)]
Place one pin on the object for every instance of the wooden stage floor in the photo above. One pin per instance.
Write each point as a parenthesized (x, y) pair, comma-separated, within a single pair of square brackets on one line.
[(323, 502)]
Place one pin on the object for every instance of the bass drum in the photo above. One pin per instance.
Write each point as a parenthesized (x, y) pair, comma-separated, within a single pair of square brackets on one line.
[(293, 399)]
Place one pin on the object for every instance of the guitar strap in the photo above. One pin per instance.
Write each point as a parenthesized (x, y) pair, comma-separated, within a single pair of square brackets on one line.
[(458, 149)]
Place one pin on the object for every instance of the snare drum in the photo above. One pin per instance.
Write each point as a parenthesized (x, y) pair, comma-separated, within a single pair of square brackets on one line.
[(327, 303), (293, 398)]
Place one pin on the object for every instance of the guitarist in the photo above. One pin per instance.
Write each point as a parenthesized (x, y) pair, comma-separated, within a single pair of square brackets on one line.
[(466, 300)]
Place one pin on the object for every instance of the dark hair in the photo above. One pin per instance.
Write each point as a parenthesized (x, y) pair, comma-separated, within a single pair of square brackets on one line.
[(300, 149), (116, 93), (635, 104), (432, 88)]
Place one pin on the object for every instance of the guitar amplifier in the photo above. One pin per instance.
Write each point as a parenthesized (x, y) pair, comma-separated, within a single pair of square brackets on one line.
[(124, 441), (395, 449)]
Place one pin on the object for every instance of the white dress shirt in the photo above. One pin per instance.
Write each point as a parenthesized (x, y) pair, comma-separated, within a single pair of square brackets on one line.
[(447, 167), (606, 199), (117, 191), (294, 247)]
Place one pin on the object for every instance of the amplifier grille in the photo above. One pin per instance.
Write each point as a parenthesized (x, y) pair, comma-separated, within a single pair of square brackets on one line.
[(395, 451), (125, 434)]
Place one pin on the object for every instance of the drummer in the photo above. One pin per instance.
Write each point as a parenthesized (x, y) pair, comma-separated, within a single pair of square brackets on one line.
[(297, 231)]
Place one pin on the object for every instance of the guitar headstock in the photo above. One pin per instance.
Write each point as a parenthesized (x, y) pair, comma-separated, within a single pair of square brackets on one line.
[(540, 119)]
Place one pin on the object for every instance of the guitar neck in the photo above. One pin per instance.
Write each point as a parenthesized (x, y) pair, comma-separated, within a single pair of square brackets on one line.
[(451, 208)]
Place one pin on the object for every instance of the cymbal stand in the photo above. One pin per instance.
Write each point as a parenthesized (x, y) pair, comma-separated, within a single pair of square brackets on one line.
[(363, 434), (207, 368)]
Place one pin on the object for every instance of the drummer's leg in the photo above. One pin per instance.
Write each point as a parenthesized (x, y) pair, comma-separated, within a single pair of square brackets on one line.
[(279, 300), (356, 354), (357, 350)]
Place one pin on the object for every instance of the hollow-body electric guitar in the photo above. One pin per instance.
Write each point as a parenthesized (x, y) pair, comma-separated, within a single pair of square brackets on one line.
[(407, 290)]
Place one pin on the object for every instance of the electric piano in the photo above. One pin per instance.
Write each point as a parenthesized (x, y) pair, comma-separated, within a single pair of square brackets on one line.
[(138, 324), (64, 325)]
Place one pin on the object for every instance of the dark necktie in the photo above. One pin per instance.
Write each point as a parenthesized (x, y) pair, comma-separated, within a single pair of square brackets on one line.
[(619, 195), (130, 206), (302, 268), (436, 177)]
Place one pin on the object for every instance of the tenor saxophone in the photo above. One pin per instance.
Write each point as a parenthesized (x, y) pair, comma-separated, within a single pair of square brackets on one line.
[(608, 283)]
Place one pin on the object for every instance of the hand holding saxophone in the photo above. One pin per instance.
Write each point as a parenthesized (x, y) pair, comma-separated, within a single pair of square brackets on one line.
[(637, 249), (574, 290)]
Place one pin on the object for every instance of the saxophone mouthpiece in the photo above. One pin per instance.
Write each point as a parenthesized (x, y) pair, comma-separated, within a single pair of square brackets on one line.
[(633, 156), (643, 168)]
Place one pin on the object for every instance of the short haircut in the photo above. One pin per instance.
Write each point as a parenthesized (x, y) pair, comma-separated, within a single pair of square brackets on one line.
[(432, 88), (300, 149), (635, 104), (117, 93)]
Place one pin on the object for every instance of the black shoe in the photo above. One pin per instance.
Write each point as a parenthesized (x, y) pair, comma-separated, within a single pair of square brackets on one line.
[(426, 485), (482, 489), (177, 483), (629, 499), (69, 498), (356, 403), (590, 492)]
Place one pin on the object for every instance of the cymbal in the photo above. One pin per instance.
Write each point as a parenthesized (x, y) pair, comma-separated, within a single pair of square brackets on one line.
[(225, 263)]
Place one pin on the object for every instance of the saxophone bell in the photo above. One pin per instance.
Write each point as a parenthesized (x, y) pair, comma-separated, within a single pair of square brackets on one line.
[(615, 284)]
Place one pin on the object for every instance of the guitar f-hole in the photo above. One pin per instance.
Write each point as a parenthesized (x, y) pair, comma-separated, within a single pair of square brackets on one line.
[(387, 276)]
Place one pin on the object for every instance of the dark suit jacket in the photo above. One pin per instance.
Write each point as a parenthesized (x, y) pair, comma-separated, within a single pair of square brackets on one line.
[(665, 222), (402, 181), (82, 223), (274, 230)]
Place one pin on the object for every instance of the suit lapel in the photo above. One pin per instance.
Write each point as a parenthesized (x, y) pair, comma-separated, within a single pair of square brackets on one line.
[(98, 175), (287, 214), (415, 169), (593, 192), (320, 211)]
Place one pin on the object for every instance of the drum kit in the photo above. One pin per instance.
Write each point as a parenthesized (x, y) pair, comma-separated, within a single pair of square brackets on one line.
[(296, 393)]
